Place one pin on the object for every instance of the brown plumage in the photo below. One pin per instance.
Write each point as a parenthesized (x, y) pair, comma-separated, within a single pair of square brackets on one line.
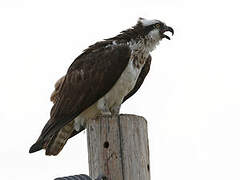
[(89, 78), (55, 94), (80, 90), (55, 144), (59, 140)]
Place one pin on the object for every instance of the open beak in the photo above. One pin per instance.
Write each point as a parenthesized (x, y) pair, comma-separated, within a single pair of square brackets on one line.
[(166, 29)]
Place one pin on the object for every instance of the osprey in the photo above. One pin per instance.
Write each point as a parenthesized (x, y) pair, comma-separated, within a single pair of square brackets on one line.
[(105, 75)]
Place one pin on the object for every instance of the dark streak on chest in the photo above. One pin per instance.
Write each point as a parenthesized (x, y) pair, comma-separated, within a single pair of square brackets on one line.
[(139, 59)]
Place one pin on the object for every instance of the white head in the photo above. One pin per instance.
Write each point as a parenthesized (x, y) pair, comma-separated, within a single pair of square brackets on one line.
[(152, 31), (148, 31), (154, 28)]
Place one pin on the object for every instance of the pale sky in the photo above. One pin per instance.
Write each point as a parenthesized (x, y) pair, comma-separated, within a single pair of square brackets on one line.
[(191, 97)]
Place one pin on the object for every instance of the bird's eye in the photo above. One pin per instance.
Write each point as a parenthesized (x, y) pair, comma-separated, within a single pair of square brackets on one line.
[(157, 26)]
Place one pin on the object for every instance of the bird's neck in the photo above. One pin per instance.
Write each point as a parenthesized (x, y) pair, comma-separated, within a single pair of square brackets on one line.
[(145, 45)]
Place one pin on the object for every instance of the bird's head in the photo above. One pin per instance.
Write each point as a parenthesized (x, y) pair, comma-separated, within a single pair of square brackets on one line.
[(154, 29), (150, 32)]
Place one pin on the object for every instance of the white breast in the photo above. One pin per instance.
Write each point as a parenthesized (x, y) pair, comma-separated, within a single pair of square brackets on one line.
[(114, 97), (123, 86)]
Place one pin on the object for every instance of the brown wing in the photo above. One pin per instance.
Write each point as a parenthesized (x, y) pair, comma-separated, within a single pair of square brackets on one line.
[(140, 79), (138, 84), (55, 93), (88, 79)]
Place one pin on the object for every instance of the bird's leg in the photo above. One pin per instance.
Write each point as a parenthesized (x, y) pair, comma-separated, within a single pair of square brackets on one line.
[(105, 112), (115, 109), (79, 123), (103, 108)]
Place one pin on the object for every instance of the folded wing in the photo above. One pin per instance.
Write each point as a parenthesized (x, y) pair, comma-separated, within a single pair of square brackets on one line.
[(88, 79)]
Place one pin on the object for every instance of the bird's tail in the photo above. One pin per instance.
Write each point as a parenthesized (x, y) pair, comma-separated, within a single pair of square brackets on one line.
[(37, 146), (56, 143)]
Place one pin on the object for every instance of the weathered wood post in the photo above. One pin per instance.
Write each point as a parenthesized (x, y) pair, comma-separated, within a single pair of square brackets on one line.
[(118, 147)]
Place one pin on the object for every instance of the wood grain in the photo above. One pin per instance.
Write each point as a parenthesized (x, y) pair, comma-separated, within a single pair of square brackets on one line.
[(118, 147)]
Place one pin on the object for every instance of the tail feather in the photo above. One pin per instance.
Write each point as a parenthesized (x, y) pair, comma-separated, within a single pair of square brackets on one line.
[(37, 146), (58, 141), (53, 145)]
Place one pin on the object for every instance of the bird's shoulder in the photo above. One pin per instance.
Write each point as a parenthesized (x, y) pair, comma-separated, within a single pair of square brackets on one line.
[(102, 52)]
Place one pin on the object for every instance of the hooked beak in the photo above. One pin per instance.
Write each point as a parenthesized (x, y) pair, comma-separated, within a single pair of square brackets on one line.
[(166, 29)]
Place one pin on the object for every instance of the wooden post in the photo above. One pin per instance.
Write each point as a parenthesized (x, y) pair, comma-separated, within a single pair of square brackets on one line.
[(118, 147)]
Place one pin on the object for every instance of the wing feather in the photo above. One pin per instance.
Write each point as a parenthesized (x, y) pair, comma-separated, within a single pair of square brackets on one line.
[(138, 84), (88, 79)]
